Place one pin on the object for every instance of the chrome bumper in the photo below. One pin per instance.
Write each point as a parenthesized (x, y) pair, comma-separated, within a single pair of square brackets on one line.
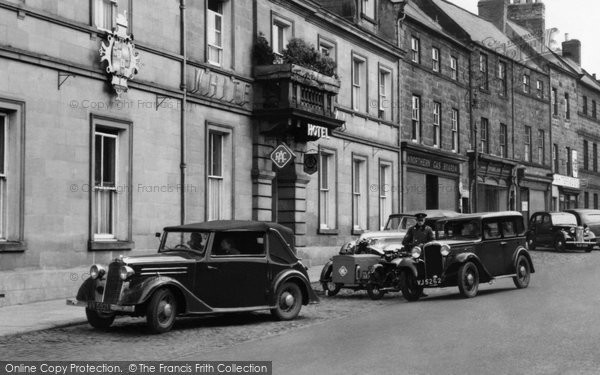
[(111, 307)]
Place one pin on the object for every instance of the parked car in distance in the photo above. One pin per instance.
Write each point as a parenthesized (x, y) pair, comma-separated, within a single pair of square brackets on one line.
[(559, 230), (204, 268), (350, 269), (588, 217), (471, 249)]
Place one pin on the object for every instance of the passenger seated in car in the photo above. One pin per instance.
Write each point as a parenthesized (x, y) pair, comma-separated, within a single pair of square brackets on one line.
[(227, 247)]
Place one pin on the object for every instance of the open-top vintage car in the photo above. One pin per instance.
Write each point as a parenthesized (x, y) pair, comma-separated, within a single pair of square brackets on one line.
[(559, 230), (350, 269), (470, 249), (204, 268)]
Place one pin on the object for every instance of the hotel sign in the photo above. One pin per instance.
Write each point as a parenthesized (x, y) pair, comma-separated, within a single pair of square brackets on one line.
[(316, 131), (429, 162)]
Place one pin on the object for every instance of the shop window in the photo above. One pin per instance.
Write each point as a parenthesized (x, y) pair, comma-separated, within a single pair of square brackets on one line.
[(435, 59), (437, 125), (385, 193), (455, 128), (359, 194), (219, 195), (416, 118), (432, 192), (595, 201), (327, 190), (214, 32), (586, 200), (111, 197)]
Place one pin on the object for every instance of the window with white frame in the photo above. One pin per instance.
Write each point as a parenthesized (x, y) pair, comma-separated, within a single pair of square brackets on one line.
[(359, 194), (105, 12), (527, 143), (385, 193), (215, 199), (502, 77), (455, 125), (105, 183), (437, 132), (327, 48), (282, 33), (483, 71), (3, 174), (368, 8), (503, 140), (453, 68), (385, 90), (526, 83), (214, 32), (435, 59), (539, 86), (416, 118), (485, 144), (415, 48), (359, 84), (541, 146), (327, 190)]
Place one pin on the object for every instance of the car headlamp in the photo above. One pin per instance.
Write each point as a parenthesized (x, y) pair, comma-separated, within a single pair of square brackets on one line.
[(125, 272), (572, 231), (97, 271), (445, 250), (586, 230), (416, 252)]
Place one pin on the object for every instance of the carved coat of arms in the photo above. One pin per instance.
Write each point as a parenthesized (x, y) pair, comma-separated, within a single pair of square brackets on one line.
[(120, 54)]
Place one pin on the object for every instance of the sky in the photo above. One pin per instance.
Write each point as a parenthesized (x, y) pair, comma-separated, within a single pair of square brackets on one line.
[(579, 18)]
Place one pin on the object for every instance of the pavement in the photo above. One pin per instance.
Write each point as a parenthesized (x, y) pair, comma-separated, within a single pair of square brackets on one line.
[(38, 316)]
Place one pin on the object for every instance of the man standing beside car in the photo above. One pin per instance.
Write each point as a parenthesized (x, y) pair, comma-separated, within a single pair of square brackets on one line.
[(419, 233)]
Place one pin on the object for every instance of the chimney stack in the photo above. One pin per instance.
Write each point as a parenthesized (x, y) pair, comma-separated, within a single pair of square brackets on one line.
[(572, 49), (530, 14), (494, 11)]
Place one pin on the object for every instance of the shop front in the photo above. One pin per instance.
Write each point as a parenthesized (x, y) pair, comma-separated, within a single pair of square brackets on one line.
[(430, 178), (565, 192), (494, 182), (535, 191)]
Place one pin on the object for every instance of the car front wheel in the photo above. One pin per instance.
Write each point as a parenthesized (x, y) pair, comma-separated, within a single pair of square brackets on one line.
[(99, 320), (374, 292), (288, 302), (409, 287), (559, 243), (523, 276), (468, 280), (161, 311)]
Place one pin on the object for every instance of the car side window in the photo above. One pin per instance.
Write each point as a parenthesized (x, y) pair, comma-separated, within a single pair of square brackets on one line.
[(509, 229), (239, 244), (278, 251), (491, 230)]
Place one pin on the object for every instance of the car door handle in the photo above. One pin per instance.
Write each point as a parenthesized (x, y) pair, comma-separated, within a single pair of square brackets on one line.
[(503, 243), (212, 268)]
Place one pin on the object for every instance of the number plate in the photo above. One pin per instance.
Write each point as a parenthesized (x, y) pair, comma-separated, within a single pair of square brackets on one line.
[(430, 282), (99, 306)]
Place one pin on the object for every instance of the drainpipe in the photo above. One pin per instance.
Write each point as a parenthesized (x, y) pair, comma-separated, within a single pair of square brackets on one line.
[(182, 165), (515, 182), (474, 140)]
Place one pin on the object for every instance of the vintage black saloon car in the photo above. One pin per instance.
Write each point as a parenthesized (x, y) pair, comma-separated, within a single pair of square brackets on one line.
[(559, 230), (205, 268), (587, 217), (471, 249)]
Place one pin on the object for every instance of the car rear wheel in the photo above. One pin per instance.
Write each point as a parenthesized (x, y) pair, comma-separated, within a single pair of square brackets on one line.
[(409, 287), (374, 292), (523, 276), (468, 280), (288, 302), (99, 320), (161, 311), (559, 243)]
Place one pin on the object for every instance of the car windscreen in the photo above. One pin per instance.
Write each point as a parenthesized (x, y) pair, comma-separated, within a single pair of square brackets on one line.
[(190, 241), (400, 223), (461, 229), (563, 218)]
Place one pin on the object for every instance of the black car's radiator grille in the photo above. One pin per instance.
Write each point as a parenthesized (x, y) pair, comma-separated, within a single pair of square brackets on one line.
[(433, 260), (112, 290)]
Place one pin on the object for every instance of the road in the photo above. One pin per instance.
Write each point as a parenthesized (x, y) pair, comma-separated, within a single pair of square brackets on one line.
[(552, 327)]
